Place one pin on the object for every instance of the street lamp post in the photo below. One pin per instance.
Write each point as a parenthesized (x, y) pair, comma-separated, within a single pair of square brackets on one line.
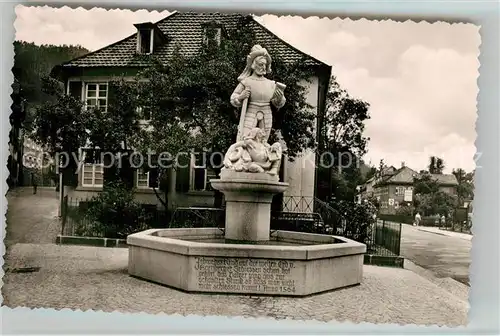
[(466, 205), (61, 187)]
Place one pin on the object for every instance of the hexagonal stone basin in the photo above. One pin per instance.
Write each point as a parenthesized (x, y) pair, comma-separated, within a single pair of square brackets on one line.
[(290, 263)]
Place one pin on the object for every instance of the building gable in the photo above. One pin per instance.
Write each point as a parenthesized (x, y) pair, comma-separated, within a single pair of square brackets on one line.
[(403, 175), (185, 30)]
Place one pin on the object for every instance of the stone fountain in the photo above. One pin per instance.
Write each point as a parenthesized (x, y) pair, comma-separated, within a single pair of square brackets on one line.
[(245, 257)]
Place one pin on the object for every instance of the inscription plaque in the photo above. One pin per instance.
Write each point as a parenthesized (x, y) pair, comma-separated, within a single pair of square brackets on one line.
[(245, 275)]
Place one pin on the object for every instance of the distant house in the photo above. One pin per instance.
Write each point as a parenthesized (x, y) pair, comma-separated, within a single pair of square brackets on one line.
[(87, 77), (367, 190), (394, 187), (35, 158)]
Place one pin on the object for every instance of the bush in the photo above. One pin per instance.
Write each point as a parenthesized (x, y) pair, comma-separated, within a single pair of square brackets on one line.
[(114, 213), (397, 218), (358, 219), (403, 219), (405, 210)]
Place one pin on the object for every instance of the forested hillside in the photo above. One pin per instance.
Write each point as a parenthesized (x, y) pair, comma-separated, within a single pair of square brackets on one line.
[(33, 62)]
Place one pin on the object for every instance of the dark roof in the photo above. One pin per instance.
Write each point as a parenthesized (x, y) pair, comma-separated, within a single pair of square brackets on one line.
[(185, 30), (445, 179), (398, 178)]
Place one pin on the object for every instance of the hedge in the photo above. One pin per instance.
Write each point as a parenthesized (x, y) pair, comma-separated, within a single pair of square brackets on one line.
[(426, 221)]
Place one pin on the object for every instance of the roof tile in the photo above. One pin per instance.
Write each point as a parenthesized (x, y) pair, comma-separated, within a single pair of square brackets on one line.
[(185, 30)]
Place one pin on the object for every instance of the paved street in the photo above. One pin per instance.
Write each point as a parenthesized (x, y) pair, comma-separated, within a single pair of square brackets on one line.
[(443, 255), (32, 218), (40, 274), (77, 277)]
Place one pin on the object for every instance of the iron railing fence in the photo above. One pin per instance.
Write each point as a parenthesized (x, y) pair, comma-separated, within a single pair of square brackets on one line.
[(75, 219), (300, 214), (455, 223)]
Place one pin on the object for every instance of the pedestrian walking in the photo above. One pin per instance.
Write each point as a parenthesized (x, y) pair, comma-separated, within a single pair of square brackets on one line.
[(418, 218), (34, 182), (443, 221)]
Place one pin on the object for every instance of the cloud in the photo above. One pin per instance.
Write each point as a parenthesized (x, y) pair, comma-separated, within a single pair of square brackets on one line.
[(419, 78), (428, 108), (93, 29)]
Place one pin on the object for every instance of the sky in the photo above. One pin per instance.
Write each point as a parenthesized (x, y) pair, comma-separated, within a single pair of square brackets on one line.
[(420, 79)]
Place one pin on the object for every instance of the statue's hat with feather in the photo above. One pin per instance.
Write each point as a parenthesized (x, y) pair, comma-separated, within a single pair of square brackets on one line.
[(257, 51)]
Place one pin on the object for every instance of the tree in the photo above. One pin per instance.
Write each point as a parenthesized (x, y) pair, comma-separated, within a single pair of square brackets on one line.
[(344, 121), (189, 99), (436, 165), (371, 173), (32, 63), (60, 123), (16, 120), (116, 131), (381, 167), (342, 136), (425, 184), (465, 188), (429, 200), (439, 203)]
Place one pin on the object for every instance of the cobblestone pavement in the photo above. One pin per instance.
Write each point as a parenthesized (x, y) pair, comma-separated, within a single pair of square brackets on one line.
[(85, 278), (445, 256), (32, 218)]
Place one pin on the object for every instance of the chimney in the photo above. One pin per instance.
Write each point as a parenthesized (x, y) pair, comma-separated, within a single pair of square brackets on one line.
[(402, 164)]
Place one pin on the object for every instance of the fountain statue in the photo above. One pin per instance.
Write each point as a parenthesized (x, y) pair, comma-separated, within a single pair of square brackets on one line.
[(245, 257), (250, 176), (255, 94)]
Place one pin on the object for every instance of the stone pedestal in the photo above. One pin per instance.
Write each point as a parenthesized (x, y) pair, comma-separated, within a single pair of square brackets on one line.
[(248, 203)]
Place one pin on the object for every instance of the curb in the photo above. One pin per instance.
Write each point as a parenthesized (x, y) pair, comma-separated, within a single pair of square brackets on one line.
[(91, 241), (438, 233), (444, 234), (388, 261), (456, 289)]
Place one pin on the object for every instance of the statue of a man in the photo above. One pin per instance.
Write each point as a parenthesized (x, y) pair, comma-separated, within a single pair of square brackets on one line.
[(260, 92)]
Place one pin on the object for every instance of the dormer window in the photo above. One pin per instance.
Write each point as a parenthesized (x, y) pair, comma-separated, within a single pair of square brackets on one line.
[(212, 33), (145, 41), (149, 38)]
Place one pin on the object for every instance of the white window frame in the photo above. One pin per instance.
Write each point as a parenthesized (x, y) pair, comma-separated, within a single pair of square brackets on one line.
[(139, 41), (217, 37), (400, 191), (193, 167), (93, 166), (97, 97), (143, 121), (137, 179)]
